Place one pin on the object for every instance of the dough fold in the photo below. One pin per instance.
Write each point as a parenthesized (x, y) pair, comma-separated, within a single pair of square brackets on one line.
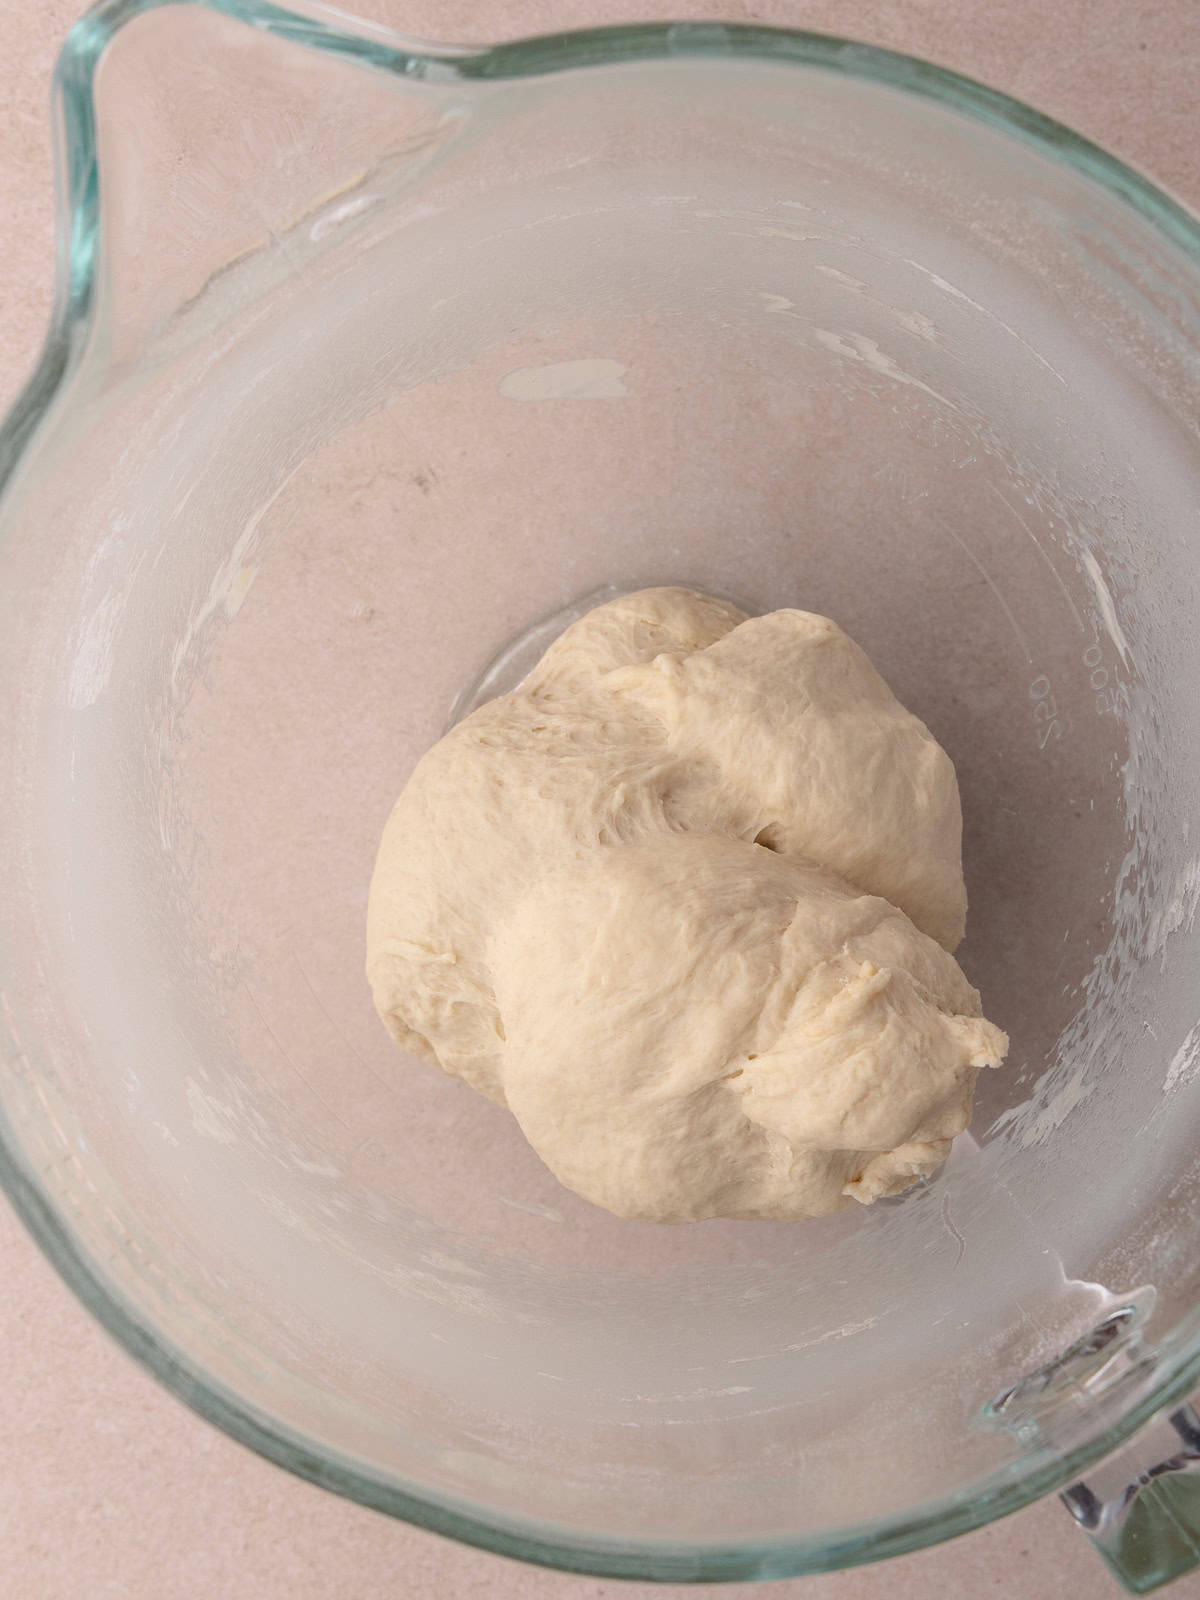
[(686, 903)]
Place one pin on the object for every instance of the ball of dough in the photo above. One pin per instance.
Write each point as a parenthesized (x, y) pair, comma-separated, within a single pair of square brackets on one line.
[(685, 903)]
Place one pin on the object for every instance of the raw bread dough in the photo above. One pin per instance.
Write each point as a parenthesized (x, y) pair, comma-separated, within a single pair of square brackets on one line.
[(685, 902)]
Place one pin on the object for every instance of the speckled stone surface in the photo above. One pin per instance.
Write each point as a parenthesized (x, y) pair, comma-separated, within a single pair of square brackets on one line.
[(108, 1487)]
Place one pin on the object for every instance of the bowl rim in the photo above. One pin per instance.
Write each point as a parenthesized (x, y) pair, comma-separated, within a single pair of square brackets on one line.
[(79, 228)]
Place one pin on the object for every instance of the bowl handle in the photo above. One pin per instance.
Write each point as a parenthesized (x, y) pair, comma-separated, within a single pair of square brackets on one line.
[(1140, 1506)]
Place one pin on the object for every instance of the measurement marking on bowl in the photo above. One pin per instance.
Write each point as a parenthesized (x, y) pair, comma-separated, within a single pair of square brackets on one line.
[(1108, 695), (1045, 711)]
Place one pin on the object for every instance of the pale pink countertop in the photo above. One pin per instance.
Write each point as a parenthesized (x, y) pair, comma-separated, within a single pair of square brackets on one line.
[(108, 1487)]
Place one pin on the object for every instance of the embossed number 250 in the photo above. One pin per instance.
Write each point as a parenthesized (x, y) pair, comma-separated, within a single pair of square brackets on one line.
[(1045, 711)]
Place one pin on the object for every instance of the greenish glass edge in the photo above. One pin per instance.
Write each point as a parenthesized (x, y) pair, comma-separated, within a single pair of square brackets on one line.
[(663, 1562), (67, 338)]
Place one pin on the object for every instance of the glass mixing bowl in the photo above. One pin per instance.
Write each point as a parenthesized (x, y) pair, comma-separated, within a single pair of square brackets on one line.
[(372, 363)]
